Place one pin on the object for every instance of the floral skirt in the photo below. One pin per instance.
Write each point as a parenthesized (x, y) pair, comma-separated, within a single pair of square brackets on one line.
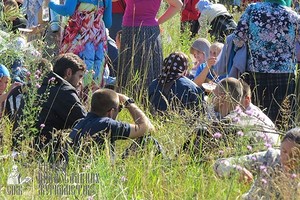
[(85, 36)]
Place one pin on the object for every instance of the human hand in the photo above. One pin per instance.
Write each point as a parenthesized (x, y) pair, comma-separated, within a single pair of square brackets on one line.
[(245, 175), (211, 61), (122, 98)]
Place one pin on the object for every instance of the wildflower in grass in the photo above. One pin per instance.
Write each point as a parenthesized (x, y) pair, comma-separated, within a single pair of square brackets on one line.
[(249, 148), (123, 178), (293, 176), (236, 119), (268, 145), (37, 86), (28, 73), (254, 158), (51, 80), (221, 152), (264, 181), (238, 110), (217, 135), (238, 167), (42, 125), (90, 198), (249, 112), (36, 76), (263, 168), (240, 133), (38, 72)]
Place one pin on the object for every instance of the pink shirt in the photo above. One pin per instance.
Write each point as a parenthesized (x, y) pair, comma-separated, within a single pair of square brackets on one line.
[(141, 12)]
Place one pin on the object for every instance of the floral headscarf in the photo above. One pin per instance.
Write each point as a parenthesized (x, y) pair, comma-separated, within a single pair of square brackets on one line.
[(173, 67)]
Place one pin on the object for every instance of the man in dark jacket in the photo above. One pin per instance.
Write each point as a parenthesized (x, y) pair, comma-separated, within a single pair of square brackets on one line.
[(58, 99)]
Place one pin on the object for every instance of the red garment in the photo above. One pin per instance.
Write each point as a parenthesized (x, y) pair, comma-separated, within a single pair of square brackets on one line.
[(118, 6), (189, 11)]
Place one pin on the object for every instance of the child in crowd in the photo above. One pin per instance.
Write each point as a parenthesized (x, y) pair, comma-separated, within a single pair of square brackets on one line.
[(215, 49), (200, 50), (206, 75)]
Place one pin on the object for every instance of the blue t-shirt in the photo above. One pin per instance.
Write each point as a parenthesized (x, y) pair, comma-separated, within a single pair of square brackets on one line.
[(200, 69), (99, 128), (183, 92)]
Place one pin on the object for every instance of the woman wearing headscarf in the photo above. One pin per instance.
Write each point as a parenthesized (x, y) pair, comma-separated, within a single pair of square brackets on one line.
[(270, 31), (172, 89), (216, 17)]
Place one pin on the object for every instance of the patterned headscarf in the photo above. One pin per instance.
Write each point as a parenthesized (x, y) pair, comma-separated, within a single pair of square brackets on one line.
[(173, 67)]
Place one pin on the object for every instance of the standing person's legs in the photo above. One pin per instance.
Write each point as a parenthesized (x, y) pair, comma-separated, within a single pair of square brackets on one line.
[(140, 58), (274, 93)]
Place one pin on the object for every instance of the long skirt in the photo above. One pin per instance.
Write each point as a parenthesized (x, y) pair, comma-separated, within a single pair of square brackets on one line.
[(85, 36), (140, 59), (270, 90)]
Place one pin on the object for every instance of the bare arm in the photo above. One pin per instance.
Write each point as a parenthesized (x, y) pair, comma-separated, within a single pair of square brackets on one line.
[(202, 76), (174, 7), (142, 123)]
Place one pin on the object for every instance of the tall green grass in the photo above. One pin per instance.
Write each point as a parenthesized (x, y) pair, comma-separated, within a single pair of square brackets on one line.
[(141, 176)]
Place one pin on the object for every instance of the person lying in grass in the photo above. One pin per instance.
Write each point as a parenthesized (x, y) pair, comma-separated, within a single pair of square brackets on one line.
[(277, 169)]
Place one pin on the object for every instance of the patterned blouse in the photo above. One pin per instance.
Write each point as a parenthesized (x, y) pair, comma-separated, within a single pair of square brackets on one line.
[(271, 32)]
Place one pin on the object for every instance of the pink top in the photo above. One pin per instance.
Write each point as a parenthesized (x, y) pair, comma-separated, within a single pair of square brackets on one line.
[(141, 12)]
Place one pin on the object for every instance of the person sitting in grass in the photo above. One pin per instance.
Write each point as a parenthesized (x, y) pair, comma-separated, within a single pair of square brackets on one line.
[(277, 169), (227, 101), (58, 101), (207, 74), (232, 116), (100, 123), (4, 81), (172, 89)]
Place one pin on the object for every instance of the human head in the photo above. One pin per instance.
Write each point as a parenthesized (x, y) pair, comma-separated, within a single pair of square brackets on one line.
[(118, 39), (227, 95), (70, 67), (246, 98), (290, 150), (44, 65), (174, 66), (105, 103), (4, 78), (200, 50), (215, 49)]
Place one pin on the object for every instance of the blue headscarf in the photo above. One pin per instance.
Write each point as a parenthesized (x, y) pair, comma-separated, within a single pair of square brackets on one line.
[(4, 71), (203, 4)]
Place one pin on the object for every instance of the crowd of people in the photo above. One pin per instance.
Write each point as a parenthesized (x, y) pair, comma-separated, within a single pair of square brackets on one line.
[(110, 48)]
